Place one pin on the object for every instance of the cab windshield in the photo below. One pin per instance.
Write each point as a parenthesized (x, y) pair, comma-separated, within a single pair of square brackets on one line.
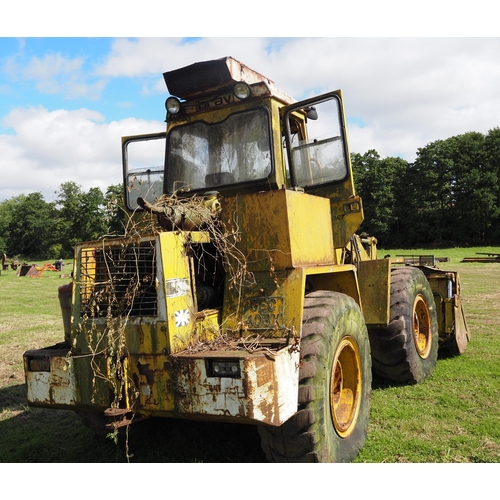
[(204, 155)]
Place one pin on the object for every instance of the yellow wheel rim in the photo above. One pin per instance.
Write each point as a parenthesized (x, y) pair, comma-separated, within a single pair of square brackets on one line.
[(345, 387), (422, 327)]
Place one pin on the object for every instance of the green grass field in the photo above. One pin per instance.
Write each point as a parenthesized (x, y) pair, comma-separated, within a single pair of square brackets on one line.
[(454, 416)]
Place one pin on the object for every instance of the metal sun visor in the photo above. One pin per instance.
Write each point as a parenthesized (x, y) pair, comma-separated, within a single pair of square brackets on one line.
[(200, 77)]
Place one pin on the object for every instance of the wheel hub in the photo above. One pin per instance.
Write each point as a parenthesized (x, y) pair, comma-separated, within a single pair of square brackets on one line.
[(345, 386), (422, 327)]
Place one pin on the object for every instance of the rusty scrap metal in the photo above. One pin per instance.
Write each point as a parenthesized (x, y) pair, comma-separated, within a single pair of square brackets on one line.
[(252, 344), (491, 257)]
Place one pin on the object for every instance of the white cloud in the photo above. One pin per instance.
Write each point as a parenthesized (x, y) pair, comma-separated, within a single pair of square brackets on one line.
[(52, 147), (407, 91), (51, 65), (402, 92), (153, 56), (55, 74)]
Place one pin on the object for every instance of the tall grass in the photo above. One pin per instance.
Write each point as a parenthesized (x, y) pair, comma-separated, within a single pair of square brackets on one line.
[(454, 416)]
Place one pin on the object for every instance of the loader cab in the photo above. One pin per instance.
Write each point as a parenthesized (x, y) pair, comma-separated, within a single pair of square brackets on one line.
[(230, 130)]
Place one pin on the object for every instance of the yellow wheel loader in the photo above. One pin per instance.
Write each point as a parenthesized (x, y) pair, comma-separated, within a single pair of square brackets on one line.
[(240, 291)]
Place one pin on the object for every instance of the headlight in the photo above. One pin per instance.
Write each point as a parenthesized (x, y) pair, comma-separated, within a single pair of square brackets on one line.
[(38, 364), (173, 105), (242, 90), (223, 368)]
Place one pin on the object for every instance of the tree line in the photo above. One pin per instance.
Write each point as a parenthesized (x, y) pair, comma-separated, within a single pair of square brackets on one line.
[(449, 196), (32, 228)]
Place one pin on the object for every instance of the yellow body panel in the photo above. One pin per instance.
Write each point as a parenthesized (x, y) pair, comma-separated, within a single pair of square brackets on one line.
[(453, 330), (338, 278), (277, 228), (375, 283), (270, 306), (177, 287), (180, 308), (347, 216)]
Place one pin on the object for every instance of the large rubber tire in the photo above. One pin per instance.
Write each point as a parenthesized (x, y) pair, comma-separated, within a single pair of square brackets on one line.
[(334, 386), (406, 352)]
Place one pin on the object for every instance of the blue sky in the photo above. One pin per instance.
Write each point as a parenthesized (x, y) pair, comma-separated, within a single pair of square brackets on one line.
[(67, 72), (65, 103), (71, 72)]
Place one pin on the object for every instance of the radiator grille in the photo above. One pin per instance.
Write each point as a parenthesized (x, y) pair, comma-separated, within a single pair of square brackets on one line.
[(118, 280)]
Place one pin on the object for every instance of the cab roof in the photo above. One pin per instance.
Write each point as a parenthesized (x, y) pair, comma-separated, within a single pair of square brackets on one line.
[(206, 77)]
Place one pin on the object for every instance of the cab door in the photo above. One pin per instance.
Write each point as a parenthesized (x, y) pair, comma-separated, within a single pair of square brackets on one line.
[(143, 159), (317, 157), (319, 161)]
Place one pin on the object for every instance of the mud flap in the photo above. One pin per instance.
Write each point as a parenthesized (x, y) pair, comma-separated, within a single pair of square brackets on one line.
[(461, 335), (454, 333)]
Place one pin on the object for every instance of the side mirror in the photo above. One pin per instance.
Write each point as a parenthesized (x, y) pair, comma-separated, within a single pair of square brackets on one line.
[(311, 113)]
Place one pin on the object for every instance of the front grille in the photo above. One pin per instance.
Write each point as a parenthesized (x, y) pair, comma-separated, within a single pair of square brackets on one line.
[(118, 280)]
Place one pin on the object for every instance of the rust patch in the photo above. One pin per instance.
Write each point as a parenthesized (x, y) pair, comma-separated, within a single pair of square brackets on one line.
[(264, 371), (267, 408), (146, 372)]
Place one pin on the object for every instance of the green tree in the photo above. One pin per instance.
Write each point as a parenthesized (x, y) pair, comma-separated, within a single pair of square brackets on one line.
[(473, 189), (6, 210), (492, 160), (92, 215), (115, 214), (429, 181), (453, 191), (68, 203), (32, 227), (378, 183), (81, 215)]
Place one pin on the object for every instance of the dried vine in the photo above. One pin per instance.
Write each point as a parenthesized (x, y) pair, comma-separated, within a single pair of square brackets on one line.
[(107, 303)]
